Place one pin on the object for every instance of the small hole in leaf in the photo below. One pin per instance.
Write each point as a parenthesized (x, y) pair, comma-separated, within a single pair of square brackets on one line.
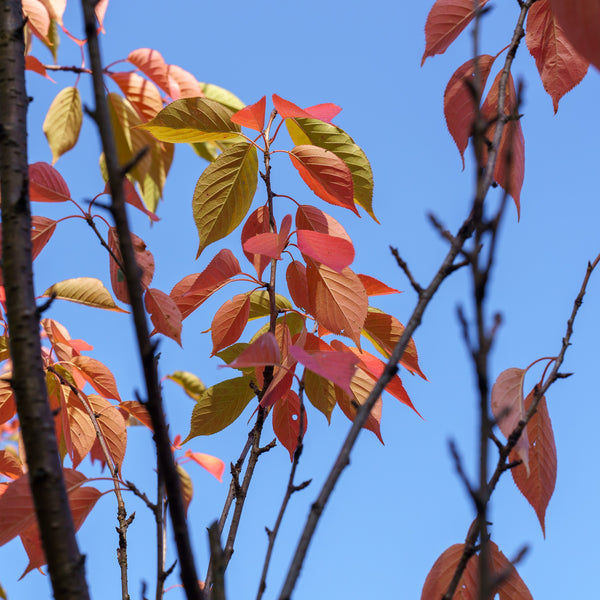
[(294, 417)]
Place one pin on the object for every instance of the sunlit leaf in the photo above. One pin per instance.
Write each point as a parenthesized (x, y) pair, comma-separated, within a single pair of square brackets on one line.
[(42, 229), (215, 466), (260, 304), (135, 413), (314, 219), (84, 290), (263, 351), (152, 64), (63, 122), (374, 287), (10, 464), (189, 86), (164, 313), (222, 96), (187, 487), (113, 427), (229, 322), (256, 223), (8, 408), (441, 574), (252, 116), (286, 422), (328, 250), (142, 94), (191, 384), (46, 184), (35, 65), (297, 283), (97, 375), (38, 18)]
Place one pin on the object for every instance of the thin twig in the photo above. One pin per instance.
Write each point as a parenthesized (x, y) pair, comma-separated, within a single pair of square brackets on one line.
[(404, 266)]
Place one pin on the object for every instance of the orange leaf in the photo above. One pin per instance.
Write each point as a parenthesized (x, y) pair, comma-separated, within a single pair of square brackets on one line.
[(460, 108), (229, 322), (164, 313), (328, 250), (135, 409), (215, 466), (512, 587), (445, 22), (113, 427), (142, 94), (46, 184), (286, 422), (10, 465), (260, 353), (326, 174), (295, 276), (509, 408), (314, 219), (256, 223), (374, 287), (189, 87), (38, 19), (97, 375), (8, 408), (560, 66), (287, 109), (252, 116), (152, 64), (441, 574), (324, 112), (33, 64), (538, 487), (42, 229), (580, 21), (77, 427)]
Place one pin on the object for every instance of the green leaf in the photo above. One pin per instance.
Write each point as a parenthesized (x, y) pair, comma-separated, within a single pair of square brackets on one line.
[(193, 120), (219, 406), (84, 290), (222, 96), (260, 304), (224, 193), (330, 137), (191, 384), (63, 122)]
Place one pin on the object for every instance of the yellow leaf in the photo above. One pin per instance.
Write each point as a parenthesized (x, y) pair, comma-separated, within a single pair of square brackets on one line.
[(84, 290), (191, 384), (63, 122)]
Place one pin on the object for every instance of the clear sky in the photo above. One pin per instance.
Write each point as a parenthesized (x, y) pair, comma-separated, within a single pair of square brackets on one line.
[(400, 505)]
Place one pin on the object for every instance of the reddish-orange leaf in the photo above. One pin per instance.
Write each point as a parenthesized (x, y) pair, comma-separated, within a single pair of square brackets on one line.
[(324, 112), (445, 22), (330, 251), (260, 353), (286, 422), (314, 219), (539, 486), (143, 257), (339, 300), (374, 287), (460, 107), (8, 408), (113, 427), (508, 407), (252, 116), (295, 276), (560, 66), (46, 184), (151, 63), (133, 408), (384, 331), (279, 386), (510, 164), (215, 466), (326, 174), (97, 375), (441, 574), (133, 198), (142, 94), (264, 244), (35, 65), (287, 109), (337, 367), (256, 223), (189, 87), (193, 290), (42, 229), (512, 587), (78, 430), (580, 20), (164, 313), (229, 322), (10, 465)]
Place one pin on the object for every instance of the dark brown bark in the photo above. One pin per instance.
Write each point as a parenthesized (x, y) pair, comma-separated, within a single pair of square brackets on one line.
[(65, 563)]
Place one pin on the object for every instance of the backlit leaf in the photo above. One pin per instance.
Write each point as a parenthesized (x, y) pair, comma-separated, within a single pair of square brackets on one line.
[(286, 422), (229, 322), (252, 116), (321, 393), (186, 485), (328, 250), (280, 385), (77, 427), (215, 466), (263, 351), (560, 66), (38, 18), (97, 375), (142, 94), (325, 112), (445, 22), (314, 219), (287, 109), (132, 197), (46, 184), (538, 487), (135, 413), (297, 283), (84, 290), (152, 64), (260, 304), (222, 96), (193, 120), (191, 384), (42, 229), (508, 407), (256, 223), (219, 406), (8, 408), (330, 137), (189, 86), (10, 465), (35, 65), (224, 193), (374, 287), (63, 122), (113, 427), (441, 574), (164, 313)]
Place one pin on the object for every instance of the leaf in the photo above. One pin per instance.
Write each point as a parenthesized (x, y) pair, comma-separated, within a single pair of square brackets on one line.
[(229, 322), (538, 486), (314, 219), (321, 393), (460, 107), (222, 96), (191, 384), (132, 198), (42, 229), (224, 193), (509, 171), (326, 174), (142, 94), (215, 466), (260, 304), (219, 406), (508, 407), (135, 412), (78, 430), (193, 290), (262, 352), (187, 487), (164, 313), (113, 427), (97, 375), (560, 66), (374, 287), (35, 65), (143, 259), (445, 22), (287, 109), (83, 290), (325, 112), (152, 64), (46, 184), (580, 21), (63, 122), (38, 19), (280, 386), (193, 120), (8, 408), (256, 223), (384, 331), (333, 252), (189, 86), (286, 422), (252, 116), (441, 574), (10, 465), (297, 283), (330, 137)]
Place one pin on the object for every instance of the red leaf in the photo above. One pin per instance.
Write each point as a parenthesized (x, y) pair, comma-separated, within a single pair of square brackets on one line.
[(326, 175), (229, 322), (286, 422), (510, 165), (10, 465), (560, 66), (538, 487), (46, 184), (264, 244), (441, 574), (446, 20), (295, 276), (33, 64), (256, 223), (509, 408), (580, 20), (142, 94), (279, 386), (260, 353), (215, 466), (164, 313), (328, 250), (313, 218), (287, 109), (252, 116), (460, 108), (189, 87), (97, 375), (8, 408), (512, 587), (133, 408), (133, 198), (324, 112), (152, 64), (374, 287), (193, 290), (42, 229)]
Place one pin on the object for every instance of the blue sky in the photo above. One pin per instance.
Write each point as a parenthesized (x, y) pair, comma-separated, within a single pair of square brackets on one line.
[(400, 505)]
